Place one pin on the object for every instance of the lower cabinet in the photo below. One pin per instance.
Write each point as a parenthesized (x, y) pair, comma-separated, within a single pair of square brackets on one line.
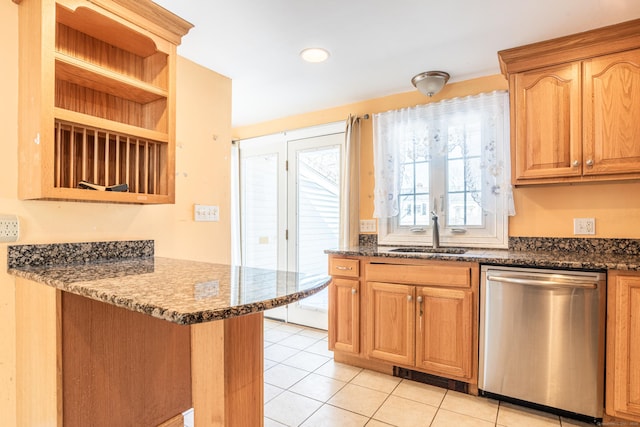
[(444, 331), (391, 322), (416, 314), (344, 315), (424, 327), (623, 345), (344, 305)]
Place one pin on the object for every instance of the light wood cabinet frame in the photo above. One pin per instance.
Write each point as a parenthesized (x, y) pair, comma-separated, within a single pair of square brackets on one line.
[(623, 345), (574, 108), (104, 66), (388, 338)]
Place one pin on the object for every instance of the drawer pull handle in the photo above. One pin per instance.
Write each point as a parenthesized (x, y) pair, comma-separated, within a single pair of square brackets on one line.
[(342, 267)]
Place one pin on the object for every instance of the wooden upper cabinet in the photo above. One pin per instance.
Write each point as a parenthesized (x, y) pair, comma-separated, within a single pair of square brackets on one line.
[(612, 111), (97, 99), (547, 122), (575, 106)]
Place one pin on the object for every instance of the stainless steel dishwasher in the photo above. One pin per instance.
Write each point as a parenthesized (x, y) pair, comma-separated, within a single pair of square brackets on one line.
[(542, 338)]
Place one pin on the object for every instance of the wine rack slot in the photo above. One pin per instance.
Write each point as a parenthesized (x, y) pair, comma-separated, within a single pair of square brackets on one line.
[(108, 158)]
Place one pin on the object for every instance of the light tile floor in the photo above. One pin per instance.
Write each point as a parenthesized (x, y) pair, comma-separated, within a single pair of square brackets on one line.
[(305, 387)]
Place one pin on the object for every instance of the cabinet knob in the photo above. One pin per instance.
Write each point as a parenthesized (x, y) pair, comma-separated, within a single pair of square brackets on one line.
[(589, 162), (575, 163), (420, 299), (409, 298), (354, 291)]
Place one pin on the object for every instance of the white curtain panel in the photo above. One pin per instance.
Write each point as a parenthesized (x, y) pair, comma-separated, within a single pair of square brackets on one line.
[(433, 124), (236, 238)]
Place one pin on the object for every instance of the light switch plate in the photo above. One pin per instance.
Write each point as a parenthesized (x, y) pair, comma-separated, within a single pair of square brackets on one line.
[(9, 228), (206, 213), (367, 225), (584, 226)]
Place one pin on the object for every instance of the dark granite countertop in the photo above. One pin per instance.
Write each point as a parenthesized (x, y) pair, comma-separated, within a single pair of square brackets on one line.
[(179, 291), (559, 253)]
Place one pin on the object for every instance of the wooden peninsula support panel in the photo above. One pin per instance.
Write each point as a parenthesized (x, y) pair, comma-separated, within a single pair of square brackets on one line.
[(138, 341), (227, 371), (84, 362)]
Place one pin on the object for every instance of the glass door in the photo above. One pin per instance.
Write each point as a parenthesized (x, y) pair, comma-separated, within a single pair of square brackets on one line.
[(263, 204), (314, 217), (290, 209)]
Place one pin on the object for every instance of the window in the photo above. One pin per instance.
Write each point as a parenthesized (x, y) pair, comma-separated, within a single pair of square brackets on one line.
[(449, 158)]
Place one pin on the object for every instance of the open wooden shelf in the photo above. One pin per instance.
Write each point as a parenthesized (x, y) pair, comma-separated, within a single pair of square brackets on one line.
[(84, 74), (97, 96)]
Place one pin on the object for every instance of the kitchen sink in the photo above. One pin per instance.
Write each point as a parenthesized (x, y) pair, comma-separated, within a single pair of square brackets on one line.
[(425, 250)]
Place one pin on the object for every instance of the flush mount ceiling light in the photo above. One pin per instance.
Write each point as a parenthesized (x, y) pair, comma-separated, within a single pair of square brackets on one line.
[(430, 82), (314, 54)]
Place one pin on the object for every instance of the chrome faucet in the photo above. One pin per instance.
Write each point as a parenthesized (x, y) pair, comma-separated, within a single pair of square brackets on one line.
[(435, 239)]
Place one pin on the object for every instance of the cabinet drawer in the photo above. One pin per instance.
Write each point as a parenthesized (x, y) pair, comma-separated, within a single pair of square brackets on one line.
[(437, 275), (344, 267)]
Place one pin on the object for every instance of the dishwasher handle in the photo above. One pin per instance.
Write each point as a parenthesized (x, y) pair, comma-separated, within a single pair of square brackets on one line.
[(530, 281)]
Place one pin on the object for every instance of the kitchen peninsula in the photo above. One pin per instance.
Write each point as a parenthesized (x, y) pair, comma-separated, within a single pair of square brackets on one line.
[(108, 334)]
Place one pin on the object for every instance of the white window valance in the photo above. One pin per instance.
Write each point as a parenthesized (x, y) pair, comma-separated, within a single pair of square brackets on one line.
[(433, 125)]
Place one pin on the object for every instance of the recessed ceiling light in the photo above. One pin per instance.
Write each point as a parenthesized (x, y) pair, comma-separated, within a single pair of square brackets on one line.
[(314, 54)]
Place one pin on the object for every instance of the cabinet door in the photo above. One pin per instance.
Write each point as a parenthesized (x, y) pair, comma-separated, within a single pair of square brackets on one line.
[(547, 123), (390, 322), (444, 331), (623, 347), (344, 315), (611, 114)]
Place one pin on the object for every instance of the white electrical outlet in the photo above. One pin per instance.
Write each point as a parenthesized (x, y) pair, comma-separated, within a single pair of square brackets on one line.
[(367, 225), (584, 226), (206, 213), (9, 228)]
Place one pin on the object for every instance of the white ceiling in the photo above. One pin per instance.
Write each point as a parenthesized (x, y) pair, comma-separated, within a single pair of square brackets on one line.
[(376, 45)]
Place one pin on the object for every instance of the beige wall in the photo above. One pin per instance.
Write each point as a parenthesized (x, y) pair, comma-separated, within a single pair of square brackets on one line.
[(546, 211), (202, 166)]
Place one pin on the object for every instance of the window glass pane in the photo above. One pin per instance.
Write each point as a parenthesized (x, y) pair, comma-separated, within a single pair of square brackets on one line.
[(407, 179), (260, 211), (406, 151), (422, 210), (455, 175), (473, 175), (455, 143), (407, 215), (474, 210), (422, 177), (473, 138), (455, 209), (422, 150)]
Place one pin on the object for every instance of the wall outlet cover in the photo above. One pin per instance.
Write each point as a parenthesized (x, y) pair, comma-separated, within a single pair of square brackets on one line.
[(584, 226)]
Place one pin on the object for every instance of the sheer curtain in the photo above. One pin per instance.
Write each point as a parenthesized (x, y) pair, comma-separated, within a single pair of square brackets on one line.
[(431, 124), (350, 182), (236, 240)]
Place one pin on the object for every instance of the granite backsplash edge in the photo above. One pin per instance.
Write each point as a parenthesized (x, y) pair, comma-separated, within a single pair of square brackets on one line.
[(552, 244), (77, 253)]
